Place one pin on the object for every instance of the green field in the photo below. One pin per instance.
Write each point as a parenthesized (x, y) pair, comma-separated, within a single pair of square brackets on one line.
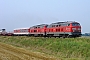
[(66, 49)]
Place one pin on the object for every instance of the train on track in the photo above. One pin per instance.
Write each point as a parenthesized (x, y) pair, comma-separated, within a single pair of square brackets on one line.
[(58, 29)]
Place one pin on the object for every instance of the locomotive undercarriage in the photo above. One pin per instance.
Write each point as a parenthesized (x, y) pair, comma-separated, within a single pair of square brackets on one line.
[(64, 34)]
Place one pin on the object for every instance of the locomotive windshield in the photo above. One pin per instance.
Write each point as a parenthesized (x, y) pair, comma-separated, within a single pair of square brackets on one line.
[(75, 24)]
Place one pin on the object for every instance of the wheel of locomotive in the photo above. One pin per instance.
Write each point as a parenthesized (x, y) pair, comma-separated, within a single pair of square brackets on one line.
[(63, 36), (68, 36), (59, 36)]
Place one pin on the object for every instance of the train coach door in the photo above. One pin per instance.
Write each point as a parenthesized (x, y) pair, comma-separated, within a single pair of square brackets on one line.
[(45, 31)]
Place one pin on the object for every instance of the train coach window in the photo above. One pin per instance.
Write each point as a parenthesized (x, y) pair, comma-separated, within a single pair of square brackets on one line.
[(35, 30)]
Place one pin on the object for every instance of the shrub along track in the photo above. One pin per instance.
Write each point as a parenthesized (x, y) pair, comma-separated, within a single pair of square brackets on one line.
[(8, 52)]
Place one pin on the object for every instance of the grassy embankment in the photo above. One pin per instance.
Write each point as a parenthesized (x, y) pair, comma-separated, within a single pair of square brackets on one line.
[(69, 48)]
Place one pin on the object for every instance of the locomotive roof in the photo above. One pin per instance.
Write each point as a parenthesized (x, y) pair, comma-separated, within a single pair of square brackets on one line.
[(40, 25), (64, 22), (21, 28)]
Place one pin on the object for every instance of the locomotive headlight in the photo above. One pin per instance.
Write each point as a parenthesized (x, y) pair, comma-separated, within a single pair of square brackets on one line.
[(73, 28), (79, 28)]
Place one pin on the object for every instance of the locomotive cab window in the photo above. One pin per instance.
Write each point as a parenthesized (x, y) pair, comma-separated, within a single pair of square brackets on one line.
[(75, 24)]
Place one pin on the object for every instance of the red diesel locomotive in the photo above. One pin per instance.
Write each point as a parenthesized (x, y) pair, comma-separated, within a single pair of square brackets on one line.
[(58, 29), (64, 29)]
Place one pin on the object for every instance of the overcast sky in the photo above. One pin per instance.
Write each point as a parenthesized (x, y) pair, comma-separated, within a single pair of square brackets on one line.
[(26, 13)]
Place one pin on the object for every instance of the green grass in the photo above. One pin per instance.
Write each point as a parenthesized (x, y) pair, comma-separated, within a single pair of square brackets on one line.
[(68, 48)]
